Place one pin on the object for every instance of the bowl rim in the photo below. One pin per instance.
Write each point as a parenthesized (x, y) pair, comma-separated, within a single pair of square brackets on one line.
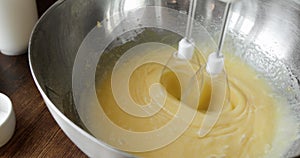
[(47, 99)]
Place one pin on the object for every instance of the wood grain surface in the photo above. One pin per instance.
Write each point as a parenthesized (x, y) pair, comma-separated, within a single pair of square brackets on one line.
[(36, 134)]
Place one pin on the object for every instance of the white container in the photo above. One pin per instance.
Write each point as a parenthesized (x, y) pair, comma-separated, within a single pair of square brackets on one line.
[(17, 19), (7, 119)]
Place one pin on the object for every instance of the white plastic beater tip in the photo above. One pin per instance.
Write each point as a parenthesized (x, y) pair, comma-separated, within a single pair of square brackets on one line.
[(185, 49), (215, 64)]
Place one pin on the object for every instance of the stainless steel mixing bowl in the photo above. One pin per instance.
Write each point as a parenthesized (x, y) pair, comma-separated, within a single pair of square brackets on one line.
[(266, 26)]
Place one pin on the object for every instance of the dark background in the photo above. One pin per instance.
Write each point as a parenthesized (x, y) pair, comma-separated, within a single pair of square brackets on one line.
[(43, 5)]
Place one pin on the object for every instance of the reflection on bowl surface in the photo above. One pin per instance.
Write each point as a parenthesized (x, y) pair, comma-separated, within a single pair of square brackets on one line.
[(262, 59)]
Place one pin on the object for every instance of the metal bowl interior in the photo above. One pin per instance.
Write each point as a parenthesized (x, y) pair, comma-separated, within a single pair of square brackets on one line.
[(270, 27)]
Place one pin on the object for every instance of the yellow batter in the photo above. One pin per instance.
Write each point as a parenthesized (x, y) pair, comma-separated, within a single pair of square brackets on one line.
[(246, 127)]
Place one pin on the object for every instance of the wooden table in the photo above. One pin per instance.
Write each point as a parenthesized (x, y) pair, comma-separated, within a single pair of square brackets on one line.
[(36, 134)]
